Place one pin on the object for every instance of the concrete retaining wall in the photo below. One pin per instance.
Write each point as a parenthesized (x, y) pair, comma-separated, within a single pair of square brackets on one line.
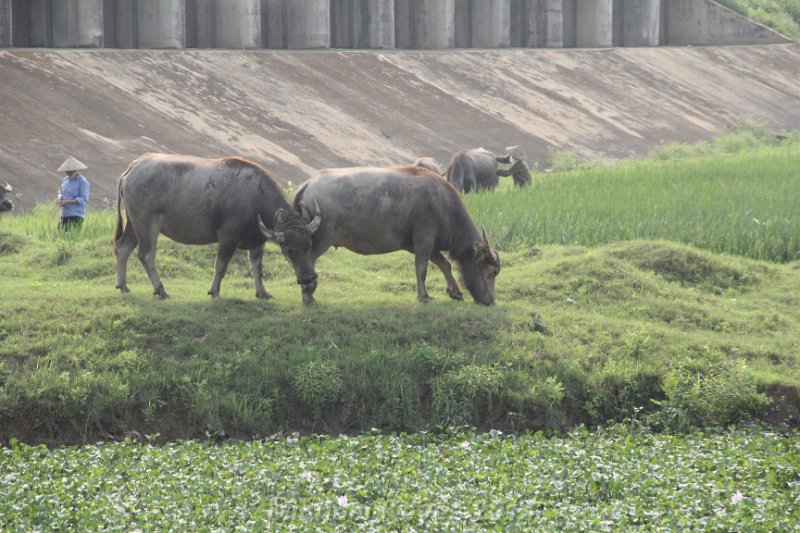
[(435, 24)]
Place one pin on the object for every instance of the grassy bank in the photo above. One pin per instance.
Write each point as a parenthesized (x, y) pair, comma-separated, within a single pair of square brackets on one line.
[(670, 334)]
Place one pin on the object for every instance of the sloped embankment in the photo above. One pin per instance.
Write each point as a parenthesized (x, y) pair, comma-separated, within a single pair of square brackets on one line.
[(298, 111)]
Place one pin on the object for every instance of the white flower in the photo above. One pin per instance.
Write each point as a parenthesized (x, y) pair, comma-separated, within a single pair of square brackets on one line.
[(342, 500), (306, 475), (736, 497), (465, 445)]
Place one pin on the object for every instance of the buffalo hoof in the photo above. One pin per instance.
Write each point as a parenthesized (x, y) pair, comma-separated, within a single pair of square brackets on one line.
[(161, 293), (455, 294), (213, 294), (264, 295), (424, 299), (123, 288)]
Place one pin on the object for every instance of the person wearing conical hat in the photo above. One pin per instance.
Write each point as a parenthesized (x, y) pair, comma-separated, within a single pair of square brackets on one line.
[(74, 194)]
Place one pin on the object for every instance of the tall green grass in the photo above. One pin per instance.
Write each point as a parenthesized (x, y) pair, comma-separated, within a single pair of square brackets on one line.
[(743, 203)]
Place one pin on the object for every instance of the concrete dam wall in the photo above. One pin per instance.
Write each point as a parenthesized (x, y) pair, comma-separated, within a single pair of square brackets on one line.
[(373, 24), (298, 111)]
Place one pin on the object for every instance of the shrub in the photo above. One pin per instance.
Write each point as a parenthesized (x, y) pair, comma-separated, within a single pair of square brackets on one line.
[(460, 395), (317, 384), (724, 395)]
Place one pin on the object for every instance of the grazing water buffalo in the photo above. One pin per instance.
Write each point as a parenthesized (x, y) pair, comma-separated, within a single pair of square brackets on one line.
[(5, 203), (381, 210), (429, 163), (201, 201), (470, 170)]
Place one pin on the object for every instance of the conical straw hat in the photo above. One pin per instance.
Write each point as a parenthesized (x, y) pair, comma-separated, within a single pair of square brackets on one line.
[(71, 164)]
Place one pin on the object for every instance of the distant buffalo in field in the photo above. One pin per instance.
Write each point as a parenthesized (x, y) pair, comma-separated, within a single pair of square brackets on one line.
[(200, 201), (428, 163), (381, 210), (5, 203), (475, 169)]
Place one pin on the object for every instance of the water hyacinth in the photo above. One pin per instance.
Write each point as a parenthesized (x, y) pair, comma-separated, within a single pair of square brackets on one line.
[(612, 480)]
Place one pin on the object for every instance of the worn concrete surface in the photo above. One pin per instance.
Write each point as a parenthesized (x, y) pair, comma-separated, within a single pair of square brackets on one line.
[(298, 111)]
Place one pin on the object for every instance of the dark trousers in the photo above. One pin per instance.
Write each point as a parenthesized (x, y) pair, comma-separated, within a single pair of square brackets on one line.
[(70, 223)]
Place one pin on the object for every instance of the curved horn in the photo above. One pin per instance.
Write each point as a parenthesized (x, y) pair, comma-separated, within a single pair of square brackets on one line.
[(313, 226), (483, 233), (277, 236)]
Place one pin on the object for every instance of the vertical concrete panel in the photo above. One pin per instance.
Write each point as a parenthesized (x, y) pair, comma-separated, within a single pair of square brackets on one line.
[(375, 25), (541, 23), (463, 23), (363, 23), (433, 25), (162, 24), (126, 20), (342, 23), (553, 24), (520, 24), (595, 23), (273, 16), (41, 23), (308, 24), (569, 27), (78, 23), (491, 23), (403, 17), (238, 23), (424, 23), (5, 24), (641, 22)]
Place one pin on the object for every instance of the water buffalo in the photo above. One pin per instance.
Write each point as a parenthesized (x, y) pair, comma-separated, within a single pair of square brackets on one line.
[(429, 163), (471, 170), (201, 201), (381, 210), (5, 203)]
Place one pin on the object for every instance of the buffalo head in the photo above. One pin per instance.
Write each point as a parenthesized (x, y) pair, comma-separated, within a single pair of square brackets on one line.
[(5, 203), (479, 271), (293, 233), (515, 164)]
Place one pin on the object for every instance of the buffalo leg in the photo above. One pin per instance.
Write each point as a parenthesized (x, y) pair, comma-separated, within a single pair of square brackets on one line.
[(224, 253), (256, 256), (453, 291), (148, 238), (123, 249), (421, 264)]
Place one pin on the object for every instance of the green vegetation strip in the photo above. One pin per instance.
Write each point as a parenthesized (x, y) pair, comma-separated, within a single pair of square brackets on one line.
[(614, 480), (742, 203)]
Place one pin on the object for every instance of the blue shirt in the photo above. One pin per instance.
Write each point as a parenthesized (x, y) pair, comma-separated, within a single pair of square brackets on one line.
[(75, 188)]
